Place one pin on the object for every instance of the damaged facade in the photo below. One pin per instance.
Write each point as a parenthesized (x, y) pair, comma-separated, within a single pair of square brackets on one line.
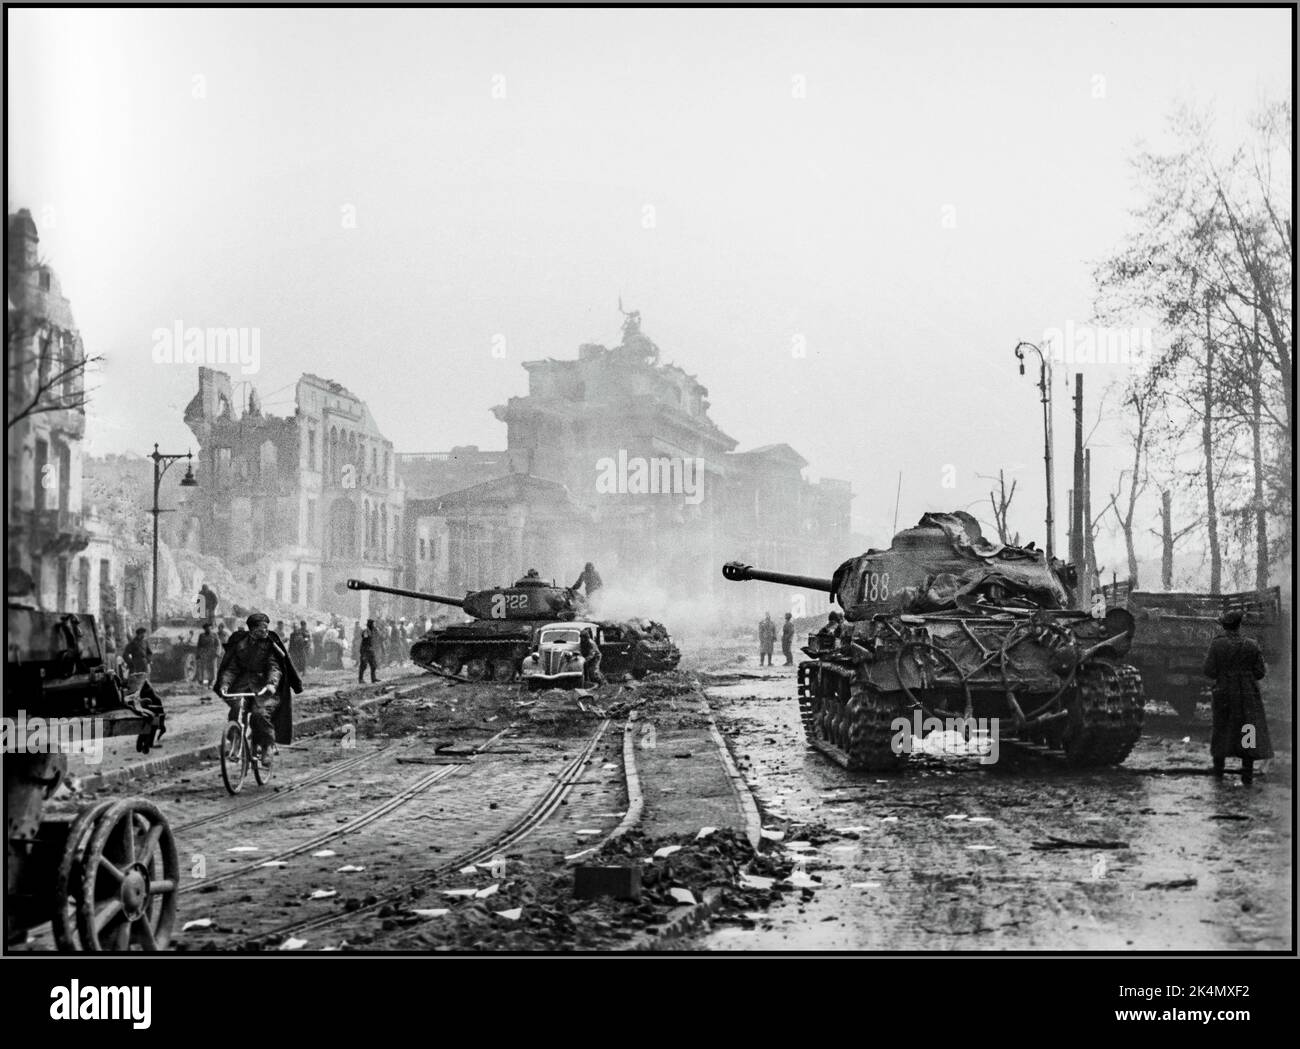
[(46, 534), (295, 506)]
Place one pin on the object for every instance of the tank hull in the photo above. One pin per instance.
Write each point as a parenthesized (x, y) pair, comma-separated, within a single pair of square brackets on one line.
[(1044, 681)]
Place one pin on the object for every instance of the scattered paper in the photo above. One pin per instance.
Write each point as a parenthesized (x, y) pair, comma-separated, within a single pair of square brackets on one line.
[(667, 851), (754, 881), (851, 830), (800, 880), (705, 832), (197, 923), (349, 868), (682, 895), (979, 848), (323, 854), (1187, 739), (471, 869), (798, 846), (324, 894), (293, 944), (242, 848), (513, 914), (774, 835), (431, 912), (888, 819), (275, 863), (491, 890), (864, 885), (981, 819), (460, 892), (587, 832), (955, 816), (609, 766)]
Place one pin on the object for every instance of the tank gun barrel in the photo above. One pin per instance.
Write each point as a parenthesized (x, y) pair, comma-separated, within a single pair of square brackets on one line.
[(419, 595), (739, 573)]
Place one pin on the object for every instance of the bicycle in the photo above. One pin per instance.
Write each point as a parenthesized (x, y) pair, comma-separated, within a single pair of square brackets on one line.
[(237, 748)]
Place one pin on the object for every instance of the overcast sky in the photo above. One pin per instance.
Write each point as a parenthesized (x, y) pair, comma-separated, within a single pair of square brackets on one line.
[(902, 194)]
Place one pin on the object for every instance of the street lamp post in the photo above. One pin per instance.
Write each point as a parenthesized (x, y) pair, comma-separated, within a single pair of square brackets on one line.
[(160, 464), (1044, 386)]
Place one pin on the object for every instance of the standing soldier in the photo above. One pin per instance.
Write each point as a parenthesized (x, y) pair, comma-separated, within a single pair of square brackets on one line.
[(138, 655), (367, 653), (591, 657), (207, 656), (299, 642), (209, 598), (766, 638), (590, 579), (787, 639), (223, 635), (1240, 730)]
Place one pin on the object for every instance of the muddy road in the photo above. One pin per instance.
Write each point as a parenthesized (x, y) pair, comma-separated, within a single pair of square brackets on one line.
[(1024, 854)]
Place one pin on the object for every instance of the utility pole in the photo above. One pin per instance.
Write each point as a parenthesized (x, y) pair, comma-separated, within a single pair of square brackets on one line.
[(1078, 500), (1045, 389)]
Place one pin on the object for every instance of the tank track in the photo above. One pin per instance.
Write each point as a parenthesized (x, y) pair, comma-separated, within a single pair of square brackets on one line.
[(1106, 712), (858, 734)]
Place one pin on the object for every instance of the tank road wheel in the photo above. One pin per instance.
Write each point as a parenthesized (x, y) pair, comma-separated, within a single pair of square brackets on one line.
[(234, 757), (129, 880), (452, 661), (871, 730), (476, 668), (67, 883), (189, 667), (503, 669)]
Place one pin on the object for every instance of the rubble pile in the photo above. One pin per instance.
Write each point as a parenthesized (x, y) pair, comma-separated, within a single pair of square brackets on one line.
[(533, 908)]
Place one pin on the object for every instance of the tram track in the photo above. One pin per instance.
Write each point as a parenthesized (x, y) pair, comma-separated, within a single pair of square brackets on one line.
[(372, 815), (534, 817)]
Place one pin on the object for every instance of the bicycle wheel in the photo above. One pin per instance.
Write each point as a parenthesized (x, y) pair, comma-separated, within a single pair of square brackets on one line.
[(260, 773), (234, 757)]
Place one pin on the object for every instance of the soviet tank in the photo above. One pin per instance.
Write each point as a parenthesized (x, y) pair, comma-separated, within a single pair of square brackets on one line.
[(946, 625), (493, 646)]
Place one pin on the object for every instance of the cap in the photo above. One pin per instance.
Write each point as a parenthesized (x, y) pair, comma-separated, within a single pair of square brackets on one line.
[(1231, 620), (258, 617)]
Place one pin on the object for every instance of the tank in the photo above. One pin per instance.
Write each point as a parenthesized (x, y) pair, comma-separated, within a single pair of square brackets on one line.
[(105, 876), (945, 627), (1174, 633), (494, 645)]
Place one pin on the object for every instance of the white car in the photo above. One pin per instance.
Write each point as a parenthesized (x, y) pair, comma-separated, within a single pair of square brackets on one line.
[(556, 659)]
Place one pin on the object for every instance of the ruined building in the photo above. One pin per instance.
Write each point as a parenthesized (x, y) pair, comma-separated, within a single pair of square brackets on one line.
[(612, 457), (45, 534), (296, 505)]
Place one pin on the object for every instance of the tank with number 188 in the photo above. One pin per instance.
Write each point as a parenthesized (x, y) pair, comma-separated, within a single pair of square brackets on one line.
[(948, 628)]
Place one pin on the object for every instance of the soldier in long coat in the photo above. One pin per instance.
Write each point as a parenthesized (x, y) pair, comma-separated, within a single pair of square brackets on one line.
[(1236, 664)]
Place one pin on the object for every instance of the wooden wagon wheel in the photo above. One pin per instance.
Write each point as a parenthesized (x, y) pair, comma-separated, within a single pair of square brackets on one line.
[(130, 876), (67, 883)]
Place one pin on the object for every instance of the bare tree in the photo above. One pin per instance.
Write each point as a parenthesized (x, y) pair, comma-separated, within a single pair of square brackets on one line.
[(1169, 538), (1001, 504), (40, 383)]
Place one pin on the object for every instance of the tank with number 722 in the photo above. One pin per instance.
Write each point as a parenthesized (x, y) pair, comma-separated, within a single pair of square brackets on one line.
[(947, 628), (505, 619)]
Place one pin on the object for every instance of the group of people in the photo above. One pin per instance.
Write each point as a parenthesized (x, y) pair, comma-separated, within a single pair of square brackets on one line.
[(767, 639)]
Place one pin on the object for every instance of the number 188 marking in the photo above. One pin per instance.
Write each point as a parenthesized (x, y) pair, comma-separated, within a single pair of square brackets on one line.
[(875, 586)]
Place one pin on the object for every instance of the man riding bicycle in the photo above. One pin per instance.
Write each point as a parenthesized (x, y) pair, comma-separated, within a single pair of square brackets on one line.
[(256, 661)]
